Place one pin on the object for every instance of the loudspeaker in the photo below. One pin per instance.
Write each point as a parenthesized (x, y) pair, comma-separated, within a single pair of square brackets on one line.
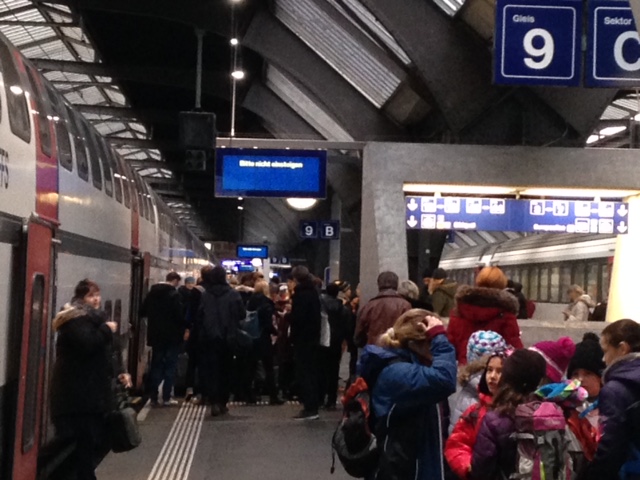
[(198, 130), (195, 160)]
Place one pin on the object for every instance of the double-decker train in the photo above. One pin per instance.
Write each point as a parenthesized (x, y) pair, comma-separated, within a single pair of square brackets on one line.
[(70, 208)]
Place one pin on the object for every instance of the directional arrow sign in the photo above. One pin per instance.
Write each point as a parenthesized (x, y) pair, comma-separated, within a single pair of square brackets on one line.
[(623, 210), (413, 205), (622, 227), (412, 222)]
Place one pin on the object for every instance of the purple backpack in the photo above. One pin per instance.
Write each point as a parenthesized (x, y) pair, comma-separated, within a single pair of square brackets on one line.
[(542, 444)]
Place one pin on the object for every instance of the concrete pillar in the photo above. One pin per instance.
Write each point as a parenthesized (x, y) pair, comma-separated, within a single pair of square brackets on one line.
[(623, 292), (335, 245)]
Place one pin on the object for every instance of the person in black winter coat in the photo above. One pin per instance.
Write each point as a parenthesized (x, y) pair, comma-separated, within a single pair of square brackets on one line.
[(190, 295), (165, 335), (218, 321), (339, 316), (305, 335), (263, 346), (82, 383)]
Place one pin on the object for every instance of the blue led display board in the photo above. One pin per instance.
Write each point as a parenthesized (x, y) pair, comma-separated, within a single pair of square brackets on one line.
[(252, 251), (538, 43), (271, 173), (613, 52), (550, 216)]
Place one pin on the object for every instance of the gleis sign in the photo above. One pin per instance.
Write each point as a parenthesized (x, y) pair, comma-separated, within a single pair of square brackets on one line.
[(538, 43), (613, 55)]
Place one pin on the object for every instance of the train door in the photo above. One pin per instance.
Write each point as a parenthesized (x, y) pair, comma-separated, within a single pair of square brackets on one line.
[(28, 417), (140, 269)]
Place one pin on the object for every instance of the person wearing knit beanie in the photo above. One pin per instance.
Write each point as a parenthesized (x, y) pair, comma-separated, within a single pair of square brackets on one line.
[(557, 355), (587, 364), (484, 342)]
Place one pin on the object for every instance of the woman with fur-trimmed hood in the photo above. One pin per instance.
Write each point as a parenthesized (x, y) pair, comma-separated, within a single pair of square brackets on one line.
[(84, 376), (487, 306)]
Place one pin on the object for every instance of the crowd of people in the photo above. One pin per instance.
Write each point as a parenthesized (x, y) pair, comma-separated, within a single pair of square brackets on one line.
[(450, 401)]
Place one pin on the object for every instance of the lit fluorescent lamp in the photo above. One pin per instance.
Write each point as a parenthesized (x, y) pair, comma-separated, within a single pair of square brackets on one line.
[(458, 189), (578, 192), (301, 203), (237, 74)]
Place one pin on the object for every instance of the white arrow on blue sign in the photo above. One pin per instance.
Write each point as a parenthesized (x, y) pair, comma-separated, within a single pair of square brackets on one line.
[(538, 43)]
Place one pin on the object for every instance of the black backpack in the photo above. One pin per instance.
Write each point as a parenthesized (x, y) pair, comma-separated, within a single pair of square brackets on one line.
[(354, 440)]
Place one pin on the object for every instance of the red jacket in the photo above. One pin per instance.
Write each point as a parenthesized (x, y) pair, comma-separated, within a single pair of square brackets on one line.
[(479, 308), (459, 447)]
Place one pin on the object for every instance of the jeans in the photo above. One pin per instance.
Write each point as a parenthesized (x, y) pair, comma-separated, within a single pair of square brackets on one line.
[(164, 362)]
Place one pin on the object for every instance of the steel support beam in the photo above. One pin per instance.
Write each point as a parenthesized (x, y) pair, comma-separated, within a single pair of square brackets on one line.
[(271, 39), (215, 84), (203, 15), (141, 115), (280, 118)]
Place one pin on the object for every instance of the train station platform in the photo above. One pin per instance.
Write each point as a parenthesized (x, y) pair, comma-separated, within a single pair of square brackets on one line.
[(187, 443)]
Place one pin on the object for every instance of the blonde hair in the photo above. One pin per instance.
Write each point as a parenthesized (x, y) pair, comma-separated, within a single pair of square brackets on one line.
[(491, 277), (410, 331), (408, 289), (262, 287)]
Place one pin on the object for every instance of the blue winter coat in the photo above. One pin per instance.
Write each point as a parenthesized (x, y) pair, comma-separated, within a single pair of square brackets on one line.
[(619, 421), (405, 399)]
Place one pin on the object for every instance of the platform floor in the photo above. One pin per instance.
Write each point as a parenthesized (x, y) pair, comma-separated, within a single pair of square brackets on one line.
[(251, 442)]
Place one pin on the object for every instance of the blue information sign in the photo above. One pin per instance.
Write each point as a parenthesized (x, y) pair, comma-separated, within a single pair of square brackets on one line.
[(308, 229), (538, 43), (330, 230), (551, 216), (613, 55), (252, 251)]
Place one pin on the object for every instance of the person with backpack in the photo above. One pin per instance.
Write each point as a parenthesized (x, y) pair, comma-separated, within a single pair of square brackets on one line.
[(409, 373), (618, 454), (495, 452), (557, 356), (459, 447)]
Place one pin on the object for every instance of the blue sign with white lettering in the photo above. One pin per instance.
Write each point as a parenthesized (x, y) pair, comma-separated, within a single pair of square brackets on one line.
[(613, 54), (551, 216), (538, 43), (308, 229), (330, 230), (252, 251)]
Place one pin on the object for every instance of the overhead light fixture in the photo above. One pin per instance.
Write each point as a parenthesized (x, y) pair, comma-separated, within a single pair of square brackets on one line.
[(593, 139), (237, 74), (240, 207), (458, 189), (207, 245), (578, 192), (301, 203), (234, 42), (240, 198), (16, 90)]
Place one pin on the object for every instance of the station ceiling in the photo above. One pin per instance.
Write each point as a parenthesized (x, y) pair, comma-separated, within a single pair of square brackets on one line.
[(340, 70)]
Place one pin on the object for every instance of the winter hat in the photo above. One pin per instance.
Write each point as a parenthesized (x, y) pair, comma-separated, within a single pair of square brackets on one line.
[(523, 371), (483, 343), (439, 274), (588, 356), (557, 355)]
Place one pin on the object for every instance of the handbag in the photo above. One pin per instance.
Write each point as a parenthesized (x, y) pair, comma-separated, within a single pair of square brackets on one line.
[(239, 341), (124, 433)]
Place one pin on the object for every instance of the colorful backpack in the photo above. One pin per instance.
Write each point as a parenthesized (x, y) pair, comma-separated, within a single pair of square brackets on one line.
[(543, 452)]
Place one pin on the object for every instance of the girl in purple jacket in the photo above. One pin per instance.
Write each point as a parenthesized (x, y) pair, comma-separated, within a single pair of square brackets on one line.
[(494, 453)]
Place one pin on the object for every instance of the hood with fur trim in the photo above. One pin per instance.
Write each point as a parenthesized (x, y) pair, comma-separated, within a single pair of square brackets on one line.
[(480, 304), (466, 372), (68, 312)]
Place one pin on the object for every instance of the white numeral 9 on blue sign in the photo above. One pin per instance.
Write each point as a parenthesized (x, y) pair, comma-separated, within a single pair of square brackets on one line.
[(542, 56), (308, 231)]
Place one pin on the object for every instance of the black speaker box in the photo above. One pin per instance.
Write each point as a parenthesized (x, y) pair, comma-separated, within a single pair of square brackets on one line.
[(198, 130)]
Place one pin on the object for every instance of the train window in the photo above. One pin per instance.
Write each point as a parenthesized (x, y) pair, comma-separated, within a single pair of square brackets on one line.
[(606, 281), (565, 283), (33, 378), (524, 280), (117, 314), (592, 288), (79, 148), (534, 283), (104, 162), (94, 160), (544, 285), (62, 133), (16, 99), (578, 274), (126, 188), (117, 172), (554, 285), (42, 113), (144, 207), (152, 210)]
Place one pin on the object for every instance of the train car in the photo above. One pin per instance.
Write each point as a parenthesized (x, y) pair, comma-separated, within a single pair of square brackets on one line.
[(545, 264), (70, 208)]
